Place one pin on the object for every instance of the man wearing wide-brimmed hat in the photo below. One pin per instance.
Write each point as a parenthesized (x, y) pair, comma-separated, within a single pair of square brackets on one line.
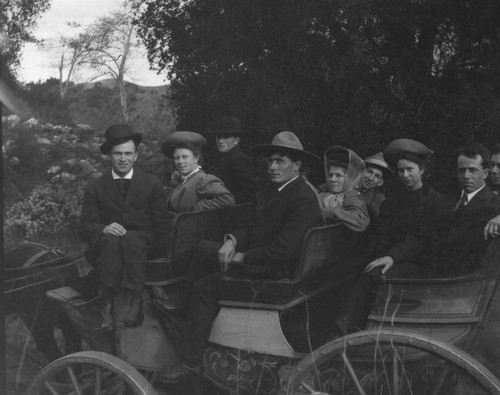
[(123, 211), (376, 172), (268, 249), (233, 166)]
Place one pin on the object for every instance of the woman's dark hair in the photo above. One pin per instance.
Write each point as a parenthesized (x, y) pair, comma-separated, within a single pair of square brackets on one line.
[(422, 162)]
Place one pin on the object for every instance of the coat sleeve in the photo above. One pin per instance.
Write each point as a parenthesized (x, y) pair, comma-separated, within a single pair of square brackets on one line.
[(353, 212), (303, 214), (213, 193), (91, 227)]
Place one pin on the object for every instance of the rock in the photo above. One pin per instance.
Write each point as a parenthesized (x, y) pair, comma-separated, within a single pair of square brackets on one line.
[(67, 177), (54, 170), (43, 140), (31, 122), (14, 161), (86, 167), (71, 162)]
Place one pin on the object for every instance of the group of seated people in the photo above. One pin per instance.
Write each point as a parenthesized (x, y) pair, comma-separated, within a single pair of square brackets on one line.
[(416, 230)]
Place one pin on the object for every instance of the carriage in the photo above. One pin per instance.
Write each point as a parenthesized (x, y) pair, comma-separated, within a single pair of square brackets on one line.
[(303, 335)]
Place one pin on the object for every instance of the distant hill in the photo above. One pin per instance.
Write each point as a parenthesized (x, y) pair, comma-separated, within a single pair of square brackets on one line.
[(97, 104)]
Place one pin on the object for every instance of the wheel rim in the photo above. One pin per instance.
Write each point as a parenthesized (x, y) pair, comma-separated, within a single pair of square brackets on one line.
[(90, 373), (385, 362)]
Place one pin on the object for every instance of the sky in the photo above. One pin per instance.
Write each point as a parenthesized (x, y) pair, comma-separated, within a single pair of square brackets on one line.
[(40, 64)]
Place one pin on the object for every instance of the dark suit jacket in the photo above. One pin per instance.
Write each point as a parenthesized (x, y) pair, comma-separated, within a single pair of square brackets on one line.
[(237, 172), (143, 208), (273, 243), (454, 238)]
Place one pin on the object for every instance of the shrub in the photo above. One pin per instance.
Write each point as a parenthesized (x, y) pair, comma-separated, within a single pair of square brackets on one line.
[(49, 209)]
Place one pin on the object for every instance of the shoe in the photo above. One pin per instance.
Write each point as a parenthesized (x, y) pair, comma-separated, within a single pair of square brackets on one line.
[(107, 316), (179, 372), (134, 316)]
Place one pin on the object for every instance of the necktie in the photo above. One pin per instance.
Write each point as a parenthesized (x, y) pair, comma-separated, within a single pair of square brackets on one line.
[(461, 203), (120, 183)]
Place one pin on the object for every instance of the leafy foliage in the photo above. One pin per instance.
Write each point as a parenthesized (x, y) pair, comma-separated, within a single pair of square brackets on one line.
[(356, 73)]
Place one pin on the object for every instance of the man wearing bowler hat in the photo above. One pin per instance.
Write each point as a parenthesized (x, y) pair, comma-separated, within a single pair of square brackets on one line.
[(268, 249), (376, 172), (123, 211), (233, 166)]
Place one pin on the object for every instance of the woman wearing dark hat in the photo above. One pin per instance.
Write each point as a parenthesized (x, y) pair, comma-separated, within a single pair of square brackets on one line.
[(194, 189), (338, 198), (406, 209), (233, 167)]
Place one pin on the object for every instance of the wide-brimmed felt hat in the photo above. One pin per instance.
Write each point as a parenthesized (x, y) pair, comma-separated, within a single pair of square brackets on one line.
[(225, 126), (183, 139), (378, 161), (285, 141), (116, 133), (400, 146)]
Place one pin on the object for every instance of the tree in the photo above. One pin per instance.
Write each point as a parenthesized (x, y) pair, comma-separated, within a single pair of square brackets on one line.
[(17, 20), (357, 73)]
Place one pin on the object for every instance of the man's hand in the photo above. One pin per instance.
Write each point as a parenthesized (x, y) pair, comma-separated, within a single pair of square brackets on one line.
[(114, 229), (492, 228), (226, 254), (385, 261)]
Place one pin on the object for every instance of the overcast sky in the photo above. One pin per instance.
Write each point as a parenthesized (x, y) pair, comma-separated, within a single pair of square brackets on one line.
[(40, 64)]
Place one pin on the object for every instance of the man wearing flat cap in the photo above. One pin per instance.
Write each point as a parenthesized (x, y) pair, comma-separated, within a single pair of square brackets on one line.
[(376, 172), (268, 249), (233, 166), (122, 214)]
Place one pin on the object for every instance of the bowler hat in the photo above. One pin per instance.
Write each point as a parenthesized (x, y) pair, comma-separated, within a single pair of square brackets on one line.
[(183, 139), (225, 126), (378, 161), (285, 141), (397, 147), (119, 132)]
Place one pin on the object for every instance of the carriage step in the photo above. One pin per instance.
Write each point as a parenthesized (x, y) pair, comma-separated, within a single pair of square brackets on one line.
[(66, 295)]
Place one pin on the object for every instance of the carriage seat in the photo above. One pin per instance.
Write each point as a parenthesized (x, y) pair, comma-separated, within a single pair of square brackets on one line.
[(330, 254), (190, 229)]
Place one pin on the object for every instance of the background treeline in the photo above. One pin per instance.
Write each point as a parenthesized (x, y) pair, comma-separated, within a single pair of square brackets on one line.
[(347, 72)]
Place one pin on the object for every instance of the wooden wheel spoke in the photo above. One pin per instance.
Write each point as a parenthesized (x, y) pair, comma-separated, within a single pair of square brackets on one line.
[(51, 388), (396, 385), (98, 379), (74, 380), (352, 373)]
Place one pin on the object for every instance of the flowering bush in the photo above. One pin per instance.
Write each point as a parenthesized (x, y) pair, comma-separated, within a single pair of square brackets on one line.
[(49, 209)]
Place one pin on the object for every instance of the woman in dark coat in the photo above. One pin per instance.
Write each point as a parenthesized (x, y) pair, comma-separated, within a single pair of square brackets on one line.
[(233, 166), (408, 207)]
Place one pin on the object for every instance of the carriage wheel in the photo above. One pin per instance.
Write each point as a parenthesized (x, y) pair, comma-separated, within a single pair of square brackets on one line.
[(90, 372), (386, 362)]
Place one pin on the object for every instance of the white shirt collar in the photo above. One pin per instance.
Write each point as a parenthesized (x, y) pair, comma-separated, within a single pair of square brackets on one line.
[(184, 179), (285, 184), (472, 194), (127, 177)]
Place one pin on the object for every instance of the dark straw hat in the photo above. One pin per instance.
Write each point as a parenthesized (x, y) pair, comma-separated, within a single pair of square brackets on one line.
[(378, 161), (285, 141), (397, 147), (189, 140), (225, 126), (119, 132)]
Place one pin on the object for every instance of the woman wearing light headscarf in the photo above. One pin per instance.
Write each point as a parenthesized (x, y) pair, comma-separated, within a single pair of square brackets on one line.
[(338, 197)]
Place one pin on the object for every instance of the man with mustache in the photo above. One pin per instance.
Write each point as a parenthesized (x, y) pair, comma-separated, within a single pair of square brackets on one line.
[(268, 249)]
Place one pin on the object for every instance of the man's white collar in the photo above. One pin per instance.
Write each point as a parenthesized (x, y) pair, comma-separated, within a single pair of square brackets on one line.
[(127, 177), (285, 184)]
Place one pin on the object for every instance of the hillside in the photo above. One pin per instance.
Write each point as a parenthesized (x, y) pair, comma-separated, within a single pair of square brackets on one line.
[(150, 109)]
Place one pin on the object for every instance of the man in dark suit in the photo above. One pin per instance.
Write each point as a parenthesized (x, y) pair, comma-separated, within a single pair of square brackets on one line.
[(123, 211), (266, 250), (233, 167), (454, 235)]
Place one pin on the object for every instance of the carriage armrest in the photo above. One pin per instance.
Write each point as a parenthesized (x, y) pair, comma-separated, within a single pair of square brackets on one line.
[(66, 295)]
